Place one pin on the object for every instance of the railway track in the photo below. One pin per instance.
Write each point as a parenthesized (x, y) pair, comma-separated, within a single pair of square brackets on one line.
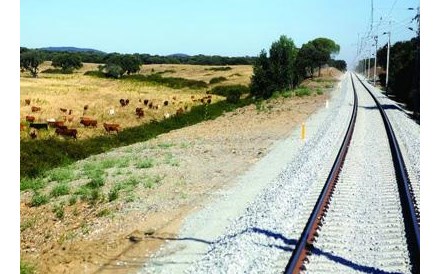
[(364, 219)]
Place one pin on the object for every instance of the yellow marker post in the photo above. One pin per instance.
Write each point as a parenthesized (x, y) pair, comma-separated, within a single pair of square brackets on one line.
[(303, 131)]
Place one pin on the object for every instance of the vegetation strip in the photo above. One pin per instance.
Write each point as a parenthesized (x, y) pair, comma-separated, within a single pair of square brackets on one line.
[(38, 156)]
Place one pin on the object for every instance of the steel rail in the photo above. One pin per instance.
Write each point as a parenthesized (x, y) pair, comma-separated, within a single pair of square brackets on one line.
[(410, 214), (305, 242)]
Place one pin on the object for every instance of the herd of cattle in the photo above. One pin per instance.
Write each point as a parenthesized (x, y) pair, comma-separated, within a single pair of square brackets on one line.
[(61, 128)]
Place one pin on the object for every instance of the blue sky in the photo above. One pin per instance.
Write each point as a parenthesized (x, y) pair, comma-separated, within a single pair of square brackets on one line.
[(229, 28)]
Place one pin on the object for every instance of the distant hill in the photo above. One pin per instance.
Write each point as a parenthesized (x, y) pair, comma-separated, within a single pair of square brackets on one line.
[(179, 55), (71, 49)]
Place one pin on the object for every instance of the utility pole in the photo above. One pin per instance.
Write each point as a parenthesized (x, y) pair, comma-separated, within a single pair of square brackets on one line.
[(388, 60), (375, 62), (369, 58)]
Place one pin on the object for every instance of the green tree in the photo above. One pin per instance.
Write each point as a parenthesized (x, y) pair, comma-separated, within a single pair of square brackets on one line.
[(119, 64), (261, 85), (282, 63), (67, 62), (307, 60), (276, 72), (31, 60), (338, 64), (326, 48)]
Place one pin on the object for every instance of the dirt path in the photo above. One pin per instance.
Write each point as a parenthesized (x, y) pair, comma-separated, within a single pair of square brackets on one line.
[(207, 156)]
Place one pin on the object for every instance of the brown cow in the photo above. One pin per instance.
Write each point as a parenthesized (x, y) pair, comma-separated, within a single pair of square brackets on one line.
[(35, 109), (140, 112), (30, 118), (27, 101), (111, 127), (89, 122), (63, 110), (179, 111), (145, 102), (69, 132)]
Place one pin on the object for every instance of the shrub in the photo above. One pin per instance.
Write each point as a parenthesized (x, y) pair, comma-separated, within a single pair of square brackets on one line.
[(95, 73), (59, 211), (231, 92), (216, 80), (34, 184), (60, 190), (219, 68), (302, 92), (39, 199), (147, 163)]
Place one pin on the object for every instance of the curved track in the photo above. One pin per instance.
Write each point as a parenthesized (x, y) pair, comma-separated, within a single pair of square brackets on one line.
[(365, 213)]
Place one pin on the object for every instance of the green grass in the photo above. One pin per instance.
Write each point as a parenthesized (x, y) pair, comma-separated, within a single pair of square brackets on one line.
[(145, 163), (303, 91), (27, 268), (104, 212), (89, 194), (61, 175), (151, 182), (165, 145), (29, 223), (31, 184), (39, 199), (58, 210), (170, 160), (60, 190), (38, 156)]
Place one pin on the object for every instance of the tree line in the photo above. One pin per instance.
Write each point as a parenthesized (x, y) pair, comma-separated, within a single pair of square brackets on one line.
[(404, 71), (286, 65)]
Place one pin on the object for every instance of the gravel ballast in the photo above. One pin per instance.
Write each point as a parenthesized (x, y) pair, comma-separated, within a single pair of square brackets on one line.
[(252, 227), (407, 132), (364, 228)]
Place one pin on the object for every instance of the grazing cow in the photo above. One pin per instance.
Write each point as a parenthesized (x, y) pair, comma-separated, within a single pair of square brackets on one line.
[(166, 115), (38, 125), (111, 111), (58, 124), (89, 122), (30, 118), (33, 134), (140, 112), (122, 102), (174, 98), (150, 105), (27, 101), (179, 111), (127, 101), (35, 109), (63, 110), (111, 127), (61, 127), (208, 101), (70, 111), (145, 102), (192, 96), (165, 103), (69, 132)]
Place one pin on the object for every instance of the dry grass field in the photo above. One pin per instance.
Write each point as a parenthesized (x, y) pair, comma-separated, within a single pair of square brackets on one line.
[(52, 92)]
